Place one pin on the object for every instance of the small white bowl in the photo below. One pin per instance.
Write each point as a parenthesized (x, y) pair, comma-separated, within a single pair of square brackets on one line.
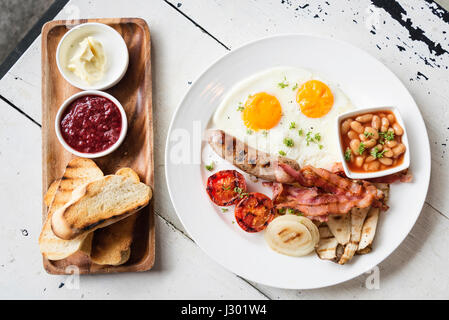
[(367, 175), (67, 102), (116, 52)]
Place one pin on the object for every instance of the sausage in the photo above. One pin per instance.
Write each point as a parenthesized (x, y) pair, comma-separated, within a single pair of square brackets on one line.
[(248, 159)]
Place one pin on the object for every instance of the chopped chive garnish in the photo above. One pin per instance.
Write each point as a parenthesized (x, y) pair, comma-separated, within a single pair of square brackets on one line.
[(240, 192), (289, 142), (361, 148), (210, 166), (348, 154), (283, 84), (376, 154), (313, 139)]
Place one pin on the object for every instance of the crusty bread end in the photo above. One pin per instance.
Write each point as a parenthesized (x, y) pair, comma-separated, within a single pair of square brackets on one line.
[(49, 195)]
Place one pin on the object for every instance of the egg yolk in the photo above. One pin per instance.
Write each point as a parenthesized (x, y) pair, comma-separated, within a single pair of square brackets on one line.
[(261, 111), (315, 99)]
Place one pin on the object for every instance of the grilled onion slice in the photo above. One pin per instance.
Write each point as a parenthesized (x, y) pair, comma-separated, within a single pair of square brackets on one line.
[(292, 235)]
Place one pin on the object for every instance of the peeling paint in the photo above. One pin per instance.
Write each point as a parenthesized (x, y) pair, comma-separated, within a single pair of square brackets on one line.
[(420, 75), (398, 13), (437, 10)]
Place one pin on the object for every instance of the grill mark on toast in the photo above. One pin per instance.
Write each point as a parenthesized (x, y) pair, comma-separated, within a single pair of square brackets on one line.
[(93, 225)]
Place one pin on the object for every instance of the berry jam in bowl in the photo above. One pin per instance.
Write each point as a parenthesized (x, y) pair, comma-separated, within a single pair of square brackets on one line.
[(91, 124)]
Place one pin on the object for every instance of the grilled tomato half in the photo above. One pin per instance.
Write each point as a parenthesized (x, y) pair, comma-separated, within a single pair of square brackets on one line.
[(226, 187), (254, 212)]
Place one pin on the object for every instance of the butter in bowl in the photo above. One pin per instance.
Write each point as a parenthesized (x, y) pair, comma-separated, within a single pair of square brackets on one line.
[(92, 56)]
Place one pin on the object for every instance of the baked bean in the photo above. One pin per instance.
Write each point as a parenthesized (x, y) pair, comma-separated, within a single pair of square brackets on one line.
[(357, 126), (359, 161), (346, 125), (391, 144), (354, 145), (375, 123), (398, 150), (398, 129), (370, 143), (362, 137), (372, 132), (384, 124), (364, 118), (390, 118), (388, 153), (352, 135), (373, 166), (379, 147), (386, 161), (369, 159)]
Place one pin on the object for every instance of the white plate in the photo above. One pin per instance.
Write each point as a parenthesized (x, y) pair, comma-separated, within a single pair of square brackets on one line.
[(366, 81)]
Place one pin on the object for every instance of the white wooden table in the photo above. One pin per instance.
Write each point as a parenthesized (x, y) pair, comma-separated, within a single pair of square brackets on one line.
[(187, 36)]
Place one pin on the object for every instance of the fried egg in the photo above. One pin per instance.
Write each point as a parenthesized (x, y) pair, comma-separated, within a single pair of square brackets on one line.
[(285, 111)]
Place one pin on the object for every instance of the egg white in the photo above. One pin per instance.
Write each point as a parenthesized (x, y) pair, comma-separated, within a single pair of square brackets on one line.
[(321, 154)]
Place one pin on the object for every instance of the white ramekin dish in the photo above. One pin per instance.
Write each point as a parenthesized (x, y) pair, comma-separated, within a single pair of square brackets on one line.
[(116, 52), (103, 153), (375, 174)]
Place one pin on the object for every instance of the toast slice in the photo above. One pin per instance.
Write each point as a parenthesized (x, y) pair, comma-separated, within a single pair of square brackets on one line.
[(49, 195), (98, 204), (78, 172), (112, 245)]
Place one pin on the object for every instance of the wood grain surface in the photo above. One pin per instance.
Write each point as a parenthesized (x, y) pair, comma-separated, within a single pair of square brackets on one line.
[(134, 92)]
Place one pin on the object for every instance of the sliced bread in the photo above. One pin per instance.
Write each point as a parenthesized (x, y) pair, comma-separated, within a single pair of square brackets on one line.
[(112, 245), (49, 195), (78, 172), (98, 204)]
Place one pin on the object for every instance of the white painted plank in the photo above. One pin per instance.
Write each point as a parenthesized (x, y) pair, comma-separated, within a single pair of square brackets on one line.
[(245, 21), (21, 85), (416, 270), (181, 270)]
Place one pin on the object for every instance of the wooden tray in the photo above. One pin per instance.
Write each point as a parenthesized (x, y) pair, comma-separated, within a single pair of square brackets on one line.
[(134, 93)]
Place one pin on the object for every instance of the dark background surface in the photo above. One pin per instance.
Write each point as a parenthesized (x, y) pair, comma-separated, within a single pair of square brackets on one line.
[(17, 17)]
